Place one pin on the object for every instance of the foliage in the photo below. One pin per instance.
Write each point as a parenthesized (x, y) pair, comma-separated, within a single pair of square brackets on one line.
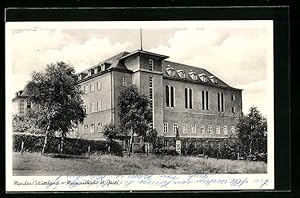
[(252, 132), (134, 113), (33, 143), (56, 95), (110, 131), (151, 136), (26, 123)]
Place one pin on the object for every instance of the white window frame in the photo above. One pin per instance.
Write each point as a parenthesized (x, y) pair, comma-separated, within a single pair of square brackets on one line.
[(202, 129), (123, 81), (92, 87), (194, 128), (175, 126), (99, 105), (99, 126), (225, 130), (92, 129), (99, 84), (184, 128), (151, 64), (210, 129), (232, 129), (86, 89), (218, 129), (166, 127), (233, 97), (233, 109)]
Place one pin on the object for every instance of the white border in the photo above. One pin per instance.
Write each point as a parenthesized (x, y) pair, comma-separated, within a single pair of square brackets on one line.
[(253, 180)]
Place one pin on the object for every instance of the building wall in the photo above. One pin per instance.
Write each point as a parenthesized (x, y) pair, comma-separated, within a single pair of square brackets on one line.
[(196, 116), (117, 88), (104, 115)]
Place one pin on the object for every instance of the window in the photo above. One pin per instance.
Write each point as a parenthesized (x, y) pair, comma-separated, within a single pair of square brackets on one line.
[(191, 98), (186, 97), (167, 96), (188, 94), (93, 107), (203, 77), (233, 110), (213, 79), (99, 105), (184, 128), (181, 73), (165, 127), (151, 64), (91, 72), (99, 126), (232, 130), (204, 100), (194, 128), (233, 97), (86, 89), (151, 96), (175, 127), (92, 87), (28, 106), (170, 96), (123, 81), (193, 75), (218, 129), (170, 71), (92, 129), (99, 84), (102, 67), (225, 130), (85, 128), (202, 129), (209, 129), (221, 102)]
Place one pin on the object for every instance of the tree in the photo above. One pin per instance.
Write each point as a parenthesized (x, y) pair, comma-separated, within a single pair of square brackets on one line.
[(26, 123), (110, 131), (252, 132), (57, 97), (135, 114)]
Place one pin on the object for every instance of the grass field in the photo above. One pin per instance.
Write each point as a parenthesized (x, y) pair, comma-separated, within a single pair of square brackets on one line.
[(37, 164)]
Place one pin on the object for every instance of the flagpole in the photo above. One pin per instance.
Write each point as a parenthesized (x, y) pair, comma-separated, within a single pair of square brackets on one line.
[(141, 39)]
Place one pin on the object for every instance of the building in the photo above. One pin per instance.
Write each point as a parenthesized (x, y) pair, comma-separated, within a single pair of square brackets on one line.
[(201, 106), (19, 103)]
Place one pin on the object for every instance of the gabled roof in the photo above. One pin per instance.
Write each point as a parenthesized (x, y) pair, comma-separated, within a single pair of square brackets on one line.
[(189, 69), (144, 52)]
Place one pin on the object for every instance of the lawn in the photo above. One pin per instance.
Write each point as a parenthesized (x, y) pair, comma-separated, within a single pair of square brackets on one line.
[(37, 164)]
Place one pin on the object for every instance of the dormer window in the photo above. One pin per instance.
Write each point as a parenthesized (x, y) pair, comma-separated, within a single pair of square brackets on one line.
[(193, 75), (102, 66), (81, 76), (213, 79), (203, 77), (91, 72), (171, 71), (181, 73)]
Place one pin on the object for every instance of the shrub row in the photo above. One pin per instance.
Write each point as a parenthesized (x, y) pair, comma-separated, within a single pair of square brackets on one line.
[(71, 146)]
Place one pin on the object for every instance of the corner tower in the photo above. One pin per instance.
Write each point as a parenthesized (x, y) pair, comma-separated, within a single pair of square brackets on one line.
[(148, 77)]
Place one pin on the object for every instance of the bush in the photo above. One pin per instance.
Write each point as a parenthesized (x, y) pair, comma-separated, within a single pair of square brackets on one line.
[(71, 146), (116, 149)]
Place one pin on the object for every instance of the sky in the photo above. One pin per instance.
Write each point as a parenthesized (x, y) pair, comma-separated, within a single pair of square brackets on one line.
[(238, 52)]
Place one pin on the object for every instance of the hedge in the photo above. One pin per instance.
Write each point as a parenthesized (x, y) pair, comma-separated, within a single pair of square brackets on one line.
[(72, 146)]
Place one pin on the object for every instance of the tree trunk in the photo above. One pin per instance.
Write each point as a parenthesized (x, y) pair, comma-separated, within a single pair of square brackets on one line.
[(46, 140), (62, 142)]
